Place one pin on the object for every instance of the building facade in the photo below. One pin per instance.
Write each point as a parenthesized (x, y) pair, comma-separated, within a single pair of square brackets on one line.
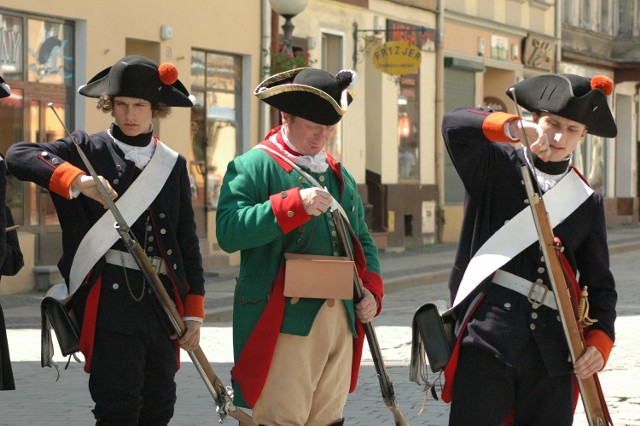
[(51, 48), (468, 53)]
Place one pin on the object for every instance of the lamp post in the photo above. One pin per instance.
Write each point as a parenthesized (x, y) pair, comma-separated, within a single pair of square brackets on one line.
[(288, 9)]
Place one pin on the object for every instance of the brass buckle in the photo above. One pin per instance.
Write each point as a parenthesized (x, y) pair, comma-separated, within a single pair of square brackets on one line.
[(156, 263), (536, 303)]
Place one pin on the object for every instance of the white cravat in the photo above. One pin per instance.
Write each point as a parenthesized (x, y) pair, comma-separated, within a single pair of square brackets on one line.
[(316, 163), (140, 155)]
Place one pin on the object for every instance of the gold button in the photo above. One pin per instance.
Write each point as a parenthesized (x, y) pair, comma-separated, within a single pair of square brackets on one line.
[(321, 178), (301, 229), (283, 194), (334, 233), (302, 179), (290, 213)]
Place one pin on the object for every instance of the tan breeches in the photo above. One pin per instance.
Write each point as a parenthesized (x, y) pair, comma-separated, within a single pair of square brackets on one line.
[(309, 378)]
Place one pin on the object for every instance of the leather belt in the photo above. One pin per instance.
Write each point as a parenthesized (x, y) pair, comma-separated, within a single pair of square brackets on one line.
[(536, 293), (124, 258)]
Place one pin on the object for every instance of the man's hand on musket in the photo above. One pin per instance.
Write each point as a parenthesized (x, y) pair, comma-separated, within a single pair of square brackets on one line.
[(366, 309), (535, 136), (589, 363), (191, 338), (87, 186)]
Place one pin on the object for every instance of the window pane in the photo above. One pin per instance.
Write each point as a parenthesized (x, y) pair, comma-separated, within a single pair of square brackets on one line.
[(11, 61), (50, 53), (11, 114), (214, 120), (408, 128)]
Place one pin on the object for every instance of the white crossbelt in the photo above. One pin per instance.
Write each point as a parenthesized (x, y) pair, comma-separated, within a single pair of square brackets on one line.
[(124, 258), (536, 293)]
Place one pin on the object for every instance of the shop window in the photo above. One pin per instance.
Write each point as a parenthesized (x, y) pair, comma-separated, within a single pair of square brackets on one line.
[(50, 58), (332, 52), (215, 120), (11, 47), (408, 128), (11, 117)]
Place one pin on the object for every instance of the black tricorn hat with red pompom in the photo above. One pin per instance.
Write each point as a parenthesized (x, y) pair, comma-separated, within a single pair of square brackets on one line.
[(139, 77), (570, 96), (310, 93)]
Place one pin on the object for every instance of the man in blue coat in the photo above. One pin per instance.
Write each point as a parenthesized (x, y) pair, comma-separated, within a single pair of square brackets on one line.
[(512, 357), (125, 337)]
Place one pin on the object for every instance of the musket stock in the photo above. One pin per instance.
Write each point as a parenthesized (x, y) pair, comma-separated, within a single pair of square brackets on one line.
[(222, 398)]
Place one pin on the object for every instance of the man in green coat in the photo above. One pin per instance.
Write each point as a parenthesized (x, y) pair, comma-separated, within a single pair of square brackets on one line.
[(296, 359)]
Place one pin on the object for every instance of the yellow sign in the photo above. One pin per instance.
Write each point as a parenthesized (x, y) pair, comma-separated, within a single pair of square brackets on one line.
[(397, 58)]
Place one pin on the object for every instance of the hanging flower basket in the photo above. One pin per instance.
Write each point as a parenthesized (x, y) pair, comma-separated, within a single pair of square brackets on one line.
[(278, 60)]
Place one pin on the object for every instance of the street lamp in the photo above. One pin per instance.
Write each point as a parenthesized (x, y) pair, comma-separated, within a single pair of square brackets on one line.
[(288, 9)]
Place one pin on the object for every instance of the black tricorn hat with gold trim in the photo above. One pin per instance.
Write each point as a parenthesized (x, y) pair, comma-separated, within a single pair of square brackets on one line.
[(139, 77), (570, 96), (310, 93), (5, 90)]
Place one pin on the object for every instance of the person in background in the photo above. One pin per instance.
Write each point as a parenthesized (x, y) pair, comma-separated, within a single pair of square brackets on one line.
[(11, 261), (125, 336), (296, 359), (513, 363)]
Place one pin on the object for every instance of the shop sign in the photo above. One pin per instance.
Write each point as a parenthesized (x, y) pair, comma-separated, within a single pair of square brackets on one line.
[(397, 58), (538, 52)]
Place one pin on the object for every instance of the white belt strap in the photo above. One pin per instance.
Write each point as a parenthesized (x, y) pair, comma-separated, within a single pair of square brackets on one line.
[(561, 200), (537, 293), (131, 204), (126, 260)]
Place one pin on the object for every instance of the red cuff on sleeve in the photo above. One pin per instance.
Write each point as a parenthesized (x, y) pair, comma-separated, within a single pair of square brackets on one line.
[(62, 178), (373, 283), (493, 126), (288, 208), (601, 341), (194, 306)]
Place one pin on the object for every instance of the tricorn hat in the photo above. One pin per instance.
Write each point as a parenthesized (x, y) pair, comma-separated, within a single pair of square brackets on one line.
[(310, 93), (5, 90), (570, 96), (139, 77)]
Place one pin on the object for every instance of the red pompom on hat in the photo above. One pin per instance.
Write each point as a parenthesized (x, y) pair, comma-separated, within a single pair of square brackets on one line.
[(603, 83), (168, 73)]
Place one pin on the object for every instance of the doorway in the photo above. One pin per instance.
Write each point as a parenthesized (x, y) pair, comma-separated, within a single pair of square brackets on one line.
[(40, 213)]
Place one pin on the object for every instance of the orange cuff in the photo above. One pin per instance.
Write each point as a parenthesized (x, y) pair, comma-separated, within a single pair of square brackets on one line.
[(601, 341), (493, 126), (194, 306), (62, 178)]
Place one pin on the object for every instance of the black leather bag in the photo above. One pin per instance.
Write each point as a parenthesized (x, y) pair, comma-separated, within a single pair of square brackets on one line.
[(56, 315), (432, 335)]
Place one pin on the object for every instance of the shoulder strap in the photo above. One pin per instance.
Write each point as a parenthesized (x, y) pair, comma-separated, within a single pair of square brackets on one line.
[(131, 204), (561, 200)]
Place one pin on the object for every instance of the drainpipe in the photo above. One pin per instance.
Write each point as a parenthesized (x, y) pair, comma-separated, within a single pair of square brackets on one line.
[(264, 124), (558, 18), (439, 148)]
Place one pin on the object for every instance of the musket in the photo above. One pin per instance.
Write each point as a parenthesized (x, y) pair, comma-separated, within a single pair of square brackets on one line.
[(215, 386), (591, 393), (386, 386)]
